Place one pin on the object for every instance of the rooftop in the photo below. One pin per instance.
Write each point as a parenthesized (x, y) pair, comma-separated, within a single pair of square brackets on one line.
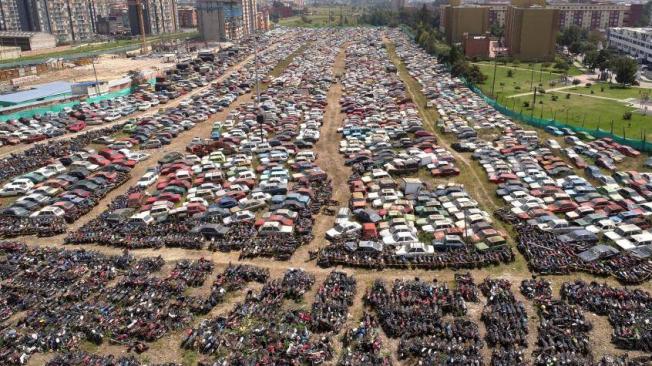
[(37, 92)]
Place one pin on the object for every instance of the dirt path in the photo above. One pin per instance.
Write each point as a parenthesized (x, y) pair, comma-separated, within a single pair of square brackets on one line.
[(330, 160), (7, 150), (431, 125)]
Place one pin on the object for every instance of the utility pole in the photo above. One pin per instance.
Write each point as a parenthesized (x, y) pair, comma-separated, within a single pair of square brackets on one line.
[(534, 101), (493, 83), (532, 77), (139, 8), (97, 84)]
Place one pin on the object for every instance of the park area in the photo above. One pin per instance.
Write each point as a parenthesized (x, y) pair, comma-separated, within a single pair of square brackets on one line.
[(321, 16), (607, 106)]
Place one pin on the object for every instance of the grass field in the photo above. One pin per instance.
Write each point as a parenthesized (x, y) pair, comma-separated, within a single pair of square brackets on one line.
[(585, 111), (520, 82), (611, 91), (322, 16)]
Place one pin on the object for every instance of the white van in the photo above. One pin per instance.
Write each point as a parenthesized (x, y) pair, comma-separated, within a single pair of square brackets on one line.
[(141, 218)]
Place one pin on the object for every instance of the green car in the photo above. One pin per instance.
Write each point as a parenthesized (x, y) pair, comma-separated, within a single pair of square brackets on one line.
[(585, 136), (128, 128)]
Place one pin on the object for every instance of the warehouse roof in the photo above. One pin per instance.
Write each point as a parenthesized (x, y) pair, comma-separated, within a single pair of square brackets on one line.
[(37, 92)]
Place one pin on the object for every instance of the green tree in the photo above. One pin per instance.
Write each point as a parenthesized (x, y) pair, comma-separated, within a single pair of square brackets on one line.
[(625, 69), (572, 35)]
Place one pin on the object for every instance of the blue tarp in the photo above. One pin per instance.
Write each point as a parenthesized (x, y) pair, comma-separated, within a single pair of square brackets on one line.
[(48, 90)]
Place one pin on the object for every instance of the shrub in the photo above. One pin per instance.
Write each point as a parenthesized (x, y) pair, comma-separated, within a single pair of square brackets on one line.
[(627, 116), (526, 104), (510, 73), (554, 98), (602, 88), (568, 96), (576, 82), (592, 92), (588, 85), (517, 87), (542, 91), (540, 101)]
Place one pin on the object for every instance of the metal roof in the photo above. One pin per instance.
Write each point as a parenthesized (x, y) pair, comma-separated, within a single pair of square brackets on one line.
[(37, 92)]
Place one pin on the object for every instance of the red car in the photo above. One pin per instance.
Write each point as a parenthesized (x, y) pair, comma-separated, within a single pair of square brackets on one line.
[(562, 206), (77, 126), (445, 171)]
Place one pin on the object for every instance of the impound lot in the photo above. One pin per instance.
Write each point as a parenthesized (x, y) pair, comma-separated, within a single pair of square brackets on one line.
[(341, 229)]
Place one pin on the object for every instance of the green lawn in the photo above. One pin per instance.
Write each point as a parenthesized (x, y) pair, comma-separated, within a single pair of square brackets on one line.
[(585, 112), (519, 83), (611, 91), (538, 66), (319, 17)]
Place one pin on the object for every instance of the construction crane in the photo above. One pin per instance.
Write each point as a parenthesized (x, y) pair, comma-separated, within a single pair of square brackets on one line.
[(141, 21)]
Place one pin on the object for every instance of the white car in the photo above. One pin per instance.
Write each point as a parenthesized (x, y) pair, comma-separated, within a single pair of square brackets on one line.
[(144, 106), (16, 187), (273, 227), (49, 211), (399, 229), (399, 238), (147, 179), (343, 228), (240, 216), (414, 249), (602, 225)]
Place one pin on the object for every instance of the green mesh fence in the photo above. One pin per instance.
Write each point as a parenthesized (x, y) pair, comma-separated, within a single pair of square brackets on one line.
[(56, 108), (640, 145)]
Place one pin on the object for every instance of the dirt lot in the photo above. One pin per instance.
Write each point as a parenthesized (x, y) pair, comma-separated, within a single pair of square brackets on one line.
[(168, 350), (108, 67)]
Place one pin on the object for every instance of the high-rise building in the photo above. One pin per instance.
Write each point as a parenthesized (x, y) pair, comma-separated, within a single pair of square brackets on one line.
[(159, 16), (461, 19), (590, 16), (531, 30), (224, 20), (68, 20)]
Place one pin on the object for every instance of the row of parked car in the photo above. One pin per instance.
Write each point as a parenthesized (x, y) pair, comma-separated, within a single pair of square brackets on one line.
[(539, 188), (383, 138), (248, 182), (88, 174), (178, 81)]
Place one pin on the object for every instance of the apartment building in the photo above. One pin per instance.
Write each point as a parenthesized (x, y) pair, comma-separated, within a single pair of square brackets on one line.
[(68, 20), (159, 16), (531, 30), (458, 20), (224, 20), (637, 42), (591, 16)]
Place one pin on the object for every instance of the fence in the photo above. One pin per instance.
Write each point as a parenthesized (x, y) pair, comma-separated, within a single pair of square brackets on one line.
[(640, 145)]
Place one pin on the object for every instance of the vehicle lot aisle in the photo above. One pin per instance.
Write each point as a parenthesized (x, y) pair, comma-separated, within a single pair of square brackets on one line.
[(330, 160)]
